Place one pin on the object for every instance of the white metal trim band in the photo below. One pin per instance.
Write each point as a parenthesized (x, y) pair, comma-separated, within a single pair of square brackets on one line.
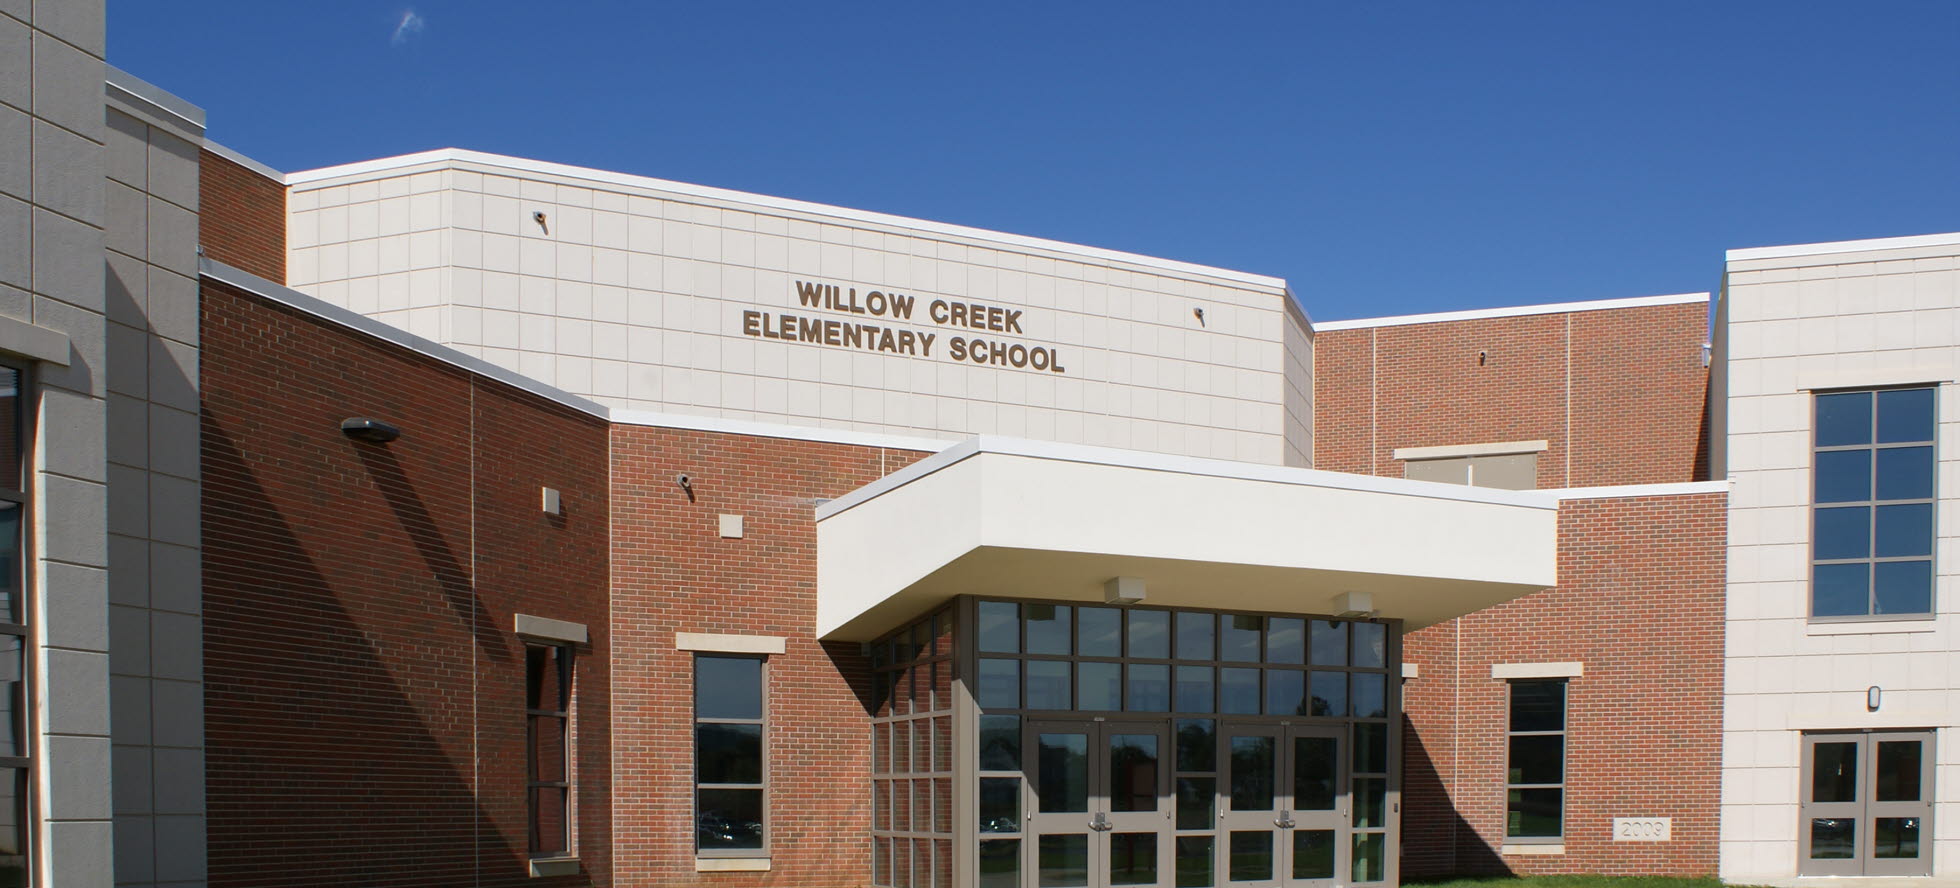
[(132, 89), (246, 162), (1183, 465), (1920, 374), (1629, 491), (714, 642), (775, 430), (546, 627), (1851, 246), (1495, 448), (1537, 670), (1512, 311), (448, 157)]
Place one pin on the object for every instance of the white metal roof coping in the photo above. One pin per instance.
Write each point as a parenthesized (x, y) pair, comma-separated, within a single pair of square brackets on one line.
[(1512, 311)]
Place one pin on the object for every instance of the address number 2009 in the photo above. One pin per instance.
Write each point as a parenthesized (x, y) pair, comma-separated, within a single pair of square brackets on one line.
[(1643, 829)]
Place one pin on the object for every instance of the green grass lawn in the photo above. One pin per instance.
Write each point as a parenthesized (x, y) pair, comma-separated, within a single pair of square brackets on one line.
[(1575, 882)]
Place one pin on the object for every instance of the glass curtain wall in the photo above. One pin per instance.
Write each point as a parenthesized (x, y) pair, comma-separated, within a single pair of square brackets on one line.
[(912, 755)]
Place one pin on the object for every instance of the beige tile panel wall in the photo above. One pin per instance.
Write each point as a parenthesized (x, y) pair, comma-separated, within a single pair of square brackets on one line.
[(637, 299), (1794, 324)]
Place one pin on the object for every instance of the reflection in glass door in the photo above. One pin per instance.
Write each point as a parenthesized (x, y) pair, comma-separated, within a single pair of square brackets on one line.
[(1101, 812), (1867, 805), (1284, 818)]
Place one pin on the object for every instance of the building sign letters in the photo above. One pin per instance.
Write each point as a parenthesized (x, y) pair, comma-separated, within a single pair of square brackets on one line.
[(874, 319)]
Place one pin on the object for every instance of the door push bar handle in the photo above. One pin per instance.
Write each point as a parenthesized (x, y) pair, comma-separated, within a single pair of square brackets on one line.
[(1100, 824), (1285, 820)]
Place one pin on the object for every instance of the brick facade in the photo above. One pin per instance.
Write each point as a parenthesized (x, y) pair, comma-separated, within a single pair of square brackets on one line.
[(364, 687), (672, 572), (1617, 393), (243, 217)]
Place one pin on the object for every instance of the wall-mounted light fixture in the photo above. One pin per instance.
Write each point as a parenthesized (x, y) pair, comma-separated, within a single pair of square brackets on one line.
[(373, 431), (1199, 313), (1871, 698), (687, 486), (538, 217), (1123, 590)]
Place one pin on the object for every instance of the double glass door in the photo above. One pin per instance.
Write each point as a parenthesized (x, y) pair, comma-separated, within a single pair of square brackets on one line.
[(1189, 803), (1867, 804)]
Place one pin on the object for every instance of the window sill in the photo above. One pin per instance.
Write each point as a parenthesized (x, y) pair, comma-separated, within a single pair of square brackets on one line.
[(1872, 627), (1530, 850), (731, 864), (553, 866)]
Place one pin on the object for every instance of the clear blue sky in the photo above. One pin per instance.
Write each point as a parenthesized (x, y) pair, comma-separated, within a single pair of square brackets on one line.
[(1383, 157)]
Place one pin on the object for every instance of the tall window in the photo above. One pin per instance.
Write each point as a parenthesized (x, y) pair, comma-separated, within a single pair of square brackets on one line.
[(547, 704), (1505, 471), (728, 744), (1872, 524), (15, 745), (1535, 784)]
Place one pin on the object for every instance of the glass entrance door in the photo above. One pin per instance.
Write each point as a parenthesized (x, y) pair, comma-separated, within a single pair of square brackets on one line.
[(1867, 805), (1100, 815), (1283, 811)]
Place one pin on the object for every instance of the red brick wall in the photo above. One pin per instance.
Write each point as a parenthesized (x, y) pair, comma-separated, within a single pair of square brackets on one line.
[(241, 217), (1617, 392), (364, 688), (1640, 604), (673, 573)]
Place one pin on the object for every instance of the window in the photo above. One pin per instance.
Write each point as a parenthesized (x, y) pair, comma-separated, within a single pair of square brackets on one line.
[(16, 748), (1535, 782), (1507, 471), (547, 707), (1871, 544), (728, 747)]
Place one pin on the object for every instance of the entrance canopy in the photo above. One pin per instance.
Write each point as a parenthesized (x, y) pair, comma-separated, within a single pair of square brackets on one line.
[(1013, 518)]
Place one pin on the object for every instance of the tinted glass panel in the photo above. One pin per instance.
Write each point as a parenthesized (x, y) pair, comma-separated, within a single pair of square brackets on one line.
[(1370, 645), (1370, 857), (1329, 697), (1238, 691), (1903, 587), (1099, 686), (1000, 684), (1534, 812), (1238, 637), (1133, 858), (1842, 532), (729, 818), (10, 443), (1537, 758), (1150, 687), (10, 563), (1048, 684), (1833, 838), (1000, 864), (1905, 473), (1252, 773), (13, 814), (1197, 744), (1150, 634), (11, 712), (1000, 743), (1371, 748), (1285, 689), (1048, 628), (1000, 804), (727, 687), (1840, 590), (1898, 771), (1316, 765), (1194, 857), (1370, 694), (1099, 632), (1000, 627), (1330, 643), (1903, 531), (1370, 802), (1844, 418), (1197, 799), (1194, 692), (1197, 636), (1537, 706), (723, 753), (547, 821), (1064, 861), (1313, 854), (1895, 837), (1252, 856), (1064, 763), (1843, 476), (1133, 764), (1905, 415), (1286, 640)]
